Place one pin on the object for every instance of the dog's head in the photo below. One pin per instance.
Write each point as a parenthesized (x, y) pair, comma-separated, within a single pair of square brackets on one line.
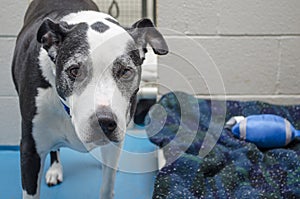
[(97, 69)]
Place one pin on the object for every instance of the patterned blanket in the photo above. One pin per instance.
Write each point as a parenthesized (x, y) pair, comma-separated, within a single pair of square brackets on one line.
[(233, 168)]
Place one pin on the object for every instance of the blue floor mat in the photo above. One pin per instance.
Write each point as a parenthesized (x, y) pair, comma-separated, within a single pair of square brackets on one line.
[(82, 176)]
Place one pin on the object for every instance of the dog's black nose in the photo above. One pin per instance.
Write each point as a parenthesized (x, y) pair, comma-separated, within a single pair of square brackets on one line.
[(106, 120), (107, 124)]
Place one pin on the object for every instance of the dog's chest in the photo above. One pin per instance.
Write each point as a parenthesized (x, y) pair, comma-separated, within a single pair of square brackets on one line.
[(52, 126)]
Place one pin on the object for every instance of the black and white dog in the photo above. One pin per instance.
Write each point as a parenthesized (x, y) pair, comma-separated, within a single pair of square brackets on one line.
[(77, 73)]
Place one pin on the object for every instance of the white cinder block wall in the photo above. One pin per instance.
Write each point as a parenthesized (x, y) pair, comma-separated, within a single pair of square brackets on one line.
[(11, 20), (255, 45)]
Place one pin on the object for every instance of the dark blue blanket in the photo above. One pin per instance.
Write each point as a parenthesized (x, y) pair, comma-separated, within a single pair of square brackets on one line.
[(233, 168)]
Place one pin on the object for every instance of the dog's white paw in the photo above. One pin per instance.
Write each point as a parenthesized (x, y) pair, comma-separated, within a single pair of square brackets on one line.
[(54, 174)]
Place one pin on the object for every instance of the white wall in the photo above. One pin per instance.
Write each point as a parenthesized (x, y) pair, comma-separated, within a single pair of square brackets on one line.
[(255, 45), (11, 19)]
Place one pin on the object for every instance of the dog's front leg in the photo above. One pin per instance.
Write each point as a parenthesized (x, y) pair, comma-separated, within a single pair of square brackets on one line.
[(32, 165), (110, 159)]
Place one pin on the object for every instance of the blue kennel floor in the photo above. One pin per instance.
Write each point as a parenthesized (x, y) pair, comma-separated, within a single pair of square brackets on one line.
[(82, 176)]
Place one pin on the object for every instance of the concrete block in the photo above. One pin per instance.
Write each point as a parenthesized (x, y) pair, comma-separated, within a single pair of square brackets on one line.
[(6, 54), (175, 74), (11, 16), (259, 17), (187, 68), (246, 66), (201, 16), (189, 16), (289, 72), (170, 15), (10, 122)]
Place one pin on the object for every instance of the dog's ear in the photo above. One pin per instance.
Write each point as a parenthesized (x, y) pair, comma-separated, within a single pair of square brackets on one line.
[(51, 35), (144, 32)]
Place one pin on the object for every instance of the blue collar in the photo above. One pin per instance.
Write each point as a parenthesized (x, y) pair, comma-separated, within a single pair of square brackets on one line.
[(67, 109)]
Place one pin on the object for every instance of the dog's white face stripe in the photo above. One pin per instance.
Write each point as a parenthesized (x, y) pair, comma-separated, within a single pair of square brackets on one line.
[(47, 66), (89, 17)]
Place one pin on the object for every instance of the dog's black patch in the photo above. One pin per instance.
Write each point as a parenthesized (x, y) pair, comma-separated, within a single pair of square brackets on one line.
[(100, 27), (130, 60), (74, 44)]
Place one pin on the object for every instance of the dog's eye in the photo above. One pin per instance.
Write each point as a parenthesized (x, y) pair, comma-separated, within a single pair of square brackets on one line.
[(126, 74), (74, 71)]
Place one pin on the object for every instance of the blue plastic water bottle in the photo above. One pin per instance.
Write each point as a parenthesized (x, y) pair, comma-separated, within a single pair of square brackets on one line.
[(265, 131)]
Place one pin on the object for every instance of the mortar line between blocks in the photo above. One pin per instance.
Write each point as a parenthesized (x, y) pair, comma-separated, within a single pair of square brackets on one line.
[(277, 83)]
